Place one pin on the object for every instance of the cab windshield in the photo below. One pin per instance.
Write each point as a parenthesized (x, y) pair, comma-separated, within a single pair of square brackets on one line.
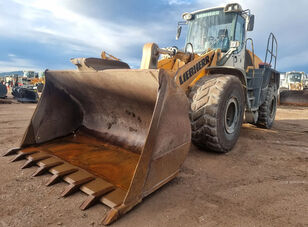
[(212, 29), (295, 77)]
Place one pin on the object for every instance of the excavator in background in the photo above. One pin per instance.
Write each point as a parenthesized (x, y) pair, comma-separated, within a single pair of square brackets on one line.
[(118, 134), (295, 89)]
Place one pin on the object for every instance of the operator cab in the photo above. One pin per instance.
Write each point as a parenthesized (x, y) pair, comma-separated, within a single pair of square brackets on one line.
[(295, 77), (217, 28)]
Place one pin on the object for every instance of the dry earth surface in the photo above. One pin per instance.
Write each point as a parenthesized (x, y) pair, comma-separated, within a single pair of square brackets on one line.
[(263, 181)]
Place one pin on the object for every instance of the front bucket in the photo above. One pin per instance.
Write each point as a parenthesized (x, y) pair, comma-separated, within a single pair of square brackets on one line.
[(297, 98), (117, 134)]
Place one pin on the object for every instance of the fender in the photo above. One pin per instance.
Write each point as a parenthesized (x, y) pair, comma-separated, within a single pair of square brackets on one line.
[(239, 73)]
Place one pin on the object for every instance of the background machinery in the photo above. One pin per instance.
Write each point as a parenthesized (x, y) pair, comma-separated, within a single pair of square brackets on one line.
[(294, 89), (118, 134), (3, 90), (34, 79), (25, 92)]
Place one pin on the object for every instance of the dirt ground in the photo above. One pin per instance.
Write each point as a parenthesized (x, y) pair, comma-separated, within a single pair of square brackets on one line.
[(263, 181)]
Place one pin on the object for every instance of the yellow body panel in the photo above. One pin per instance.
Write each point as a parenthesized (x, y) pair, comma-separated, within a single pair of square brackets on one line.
[(205, 72), (256, 59), (298, 86), (187, 72), (34, 81)]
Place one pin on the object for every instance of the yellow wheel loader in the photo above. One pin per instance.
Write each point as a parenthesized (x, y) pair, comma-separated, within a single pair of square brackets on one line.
[(294, 90), (118, 134)]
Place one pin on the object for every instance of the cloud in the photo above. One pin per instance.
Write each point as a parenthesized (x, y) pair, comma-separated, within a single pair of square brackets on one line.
[(52, 23), (67, 28), (15, 64), (296, 60), (286, 20), (179, 2)]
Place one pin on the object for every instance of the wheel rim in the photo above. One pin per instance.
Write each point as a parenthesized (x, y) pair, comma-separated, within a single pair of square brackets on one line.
[(231, 115)]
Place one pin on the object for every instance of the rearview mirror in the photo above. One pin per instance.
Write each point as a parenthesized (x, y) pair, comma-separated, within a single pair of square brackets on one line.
[(251, 23), (178, 34)]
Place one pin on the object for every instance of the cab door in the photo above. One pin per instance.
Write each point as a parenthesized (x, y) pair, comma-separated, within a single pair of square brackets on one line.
[(238, 56)]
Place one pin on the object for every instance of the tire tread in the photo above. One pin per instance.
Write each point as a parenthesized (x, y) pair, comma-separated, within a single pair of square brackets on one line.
[(204, 98)]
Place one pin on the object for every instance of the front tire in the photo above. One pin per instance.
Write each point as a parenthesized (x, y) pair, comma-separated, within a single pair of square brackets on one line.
[(217, 107)]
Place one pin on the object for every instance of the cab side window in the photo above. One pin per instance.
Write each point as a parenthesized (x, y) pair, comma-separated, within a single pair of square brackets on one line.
[(240, 32)]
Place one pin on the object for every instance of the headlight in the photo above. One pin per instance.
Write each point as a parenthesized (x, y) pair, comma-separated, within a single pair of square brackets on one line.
[(187, 16)]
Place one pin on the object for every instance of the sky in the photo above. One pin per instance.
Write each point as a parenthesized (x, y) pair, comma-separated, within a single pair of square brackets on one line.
[(44, 34)]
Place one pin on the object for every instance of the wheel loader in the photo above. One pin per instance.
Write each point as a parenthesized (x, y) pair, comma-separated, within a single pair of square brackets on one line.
[(295, 89), (118, 134)]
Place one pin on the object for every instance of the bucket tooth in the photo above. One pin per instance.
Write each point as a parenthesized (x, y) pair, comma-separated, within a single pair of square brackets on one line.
[(34, 158), (46, 164), (75, 180), (12, 151), (60, 171), (22, 155), (114, 198), (111, 216), (95, 189)]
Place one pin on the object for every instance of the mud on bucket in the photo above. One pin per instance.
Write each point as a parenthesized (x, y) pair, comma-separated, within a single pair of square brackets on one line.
[(117, 134)]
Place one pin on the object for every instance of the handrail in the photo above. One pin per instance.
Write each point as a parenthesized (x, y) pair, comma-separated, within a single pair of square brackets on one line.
[(253, 53), (274, 43)]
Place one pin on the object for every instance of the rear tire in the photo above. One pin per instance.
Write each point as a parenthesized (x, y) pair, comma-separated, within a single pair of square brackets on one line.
[(217, 107), (267, 111)]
